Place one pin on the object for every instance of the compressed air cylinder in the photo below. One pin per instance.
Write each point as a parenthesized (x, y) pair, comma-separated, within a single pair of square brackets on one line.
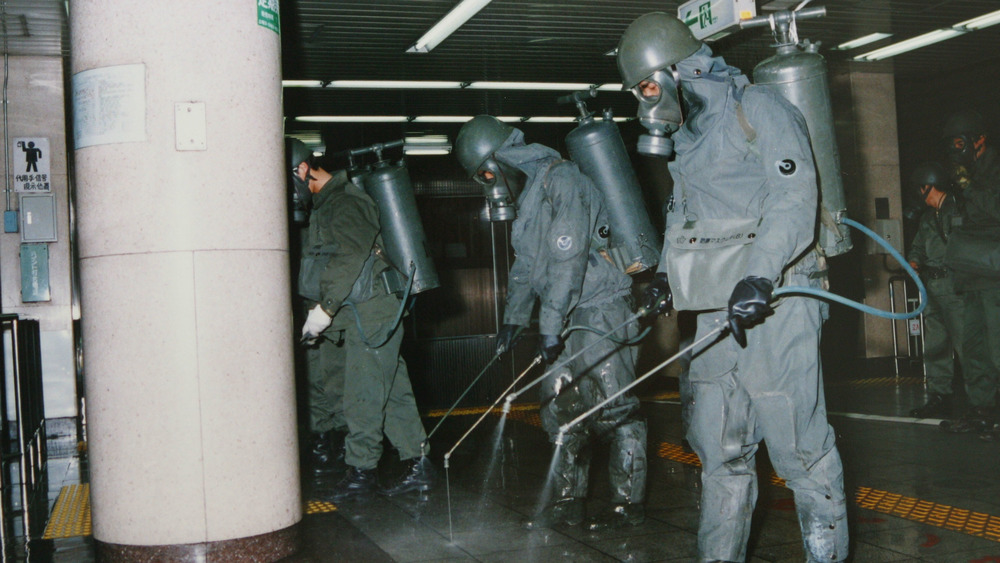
[(597, 148), (799, 75), (402, 232)]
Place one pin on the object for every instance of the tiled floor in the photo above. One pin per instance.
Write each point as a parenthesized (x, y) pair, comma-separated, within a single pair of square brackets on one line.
[(951, 482)]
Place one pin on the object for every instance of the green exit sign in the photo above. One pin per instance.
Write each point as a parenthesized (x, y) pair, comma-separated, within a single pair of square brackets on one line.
[(712, 19)]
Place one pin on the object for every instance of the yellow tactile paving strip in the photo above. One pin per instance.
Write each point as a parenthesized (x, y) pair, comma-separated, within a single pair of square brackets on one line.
[(70, 516), (319, 507), (939, 515), (71, 513)]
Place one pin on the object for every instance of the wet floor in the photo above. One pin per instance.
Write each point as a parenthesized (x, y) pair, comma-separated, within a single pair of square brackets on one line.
[(917, 493)]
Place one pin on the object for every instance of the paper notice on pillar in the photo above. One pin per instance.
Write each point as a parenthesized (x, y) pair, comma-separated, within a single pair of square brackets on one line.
[(109, 105), (30, 164)]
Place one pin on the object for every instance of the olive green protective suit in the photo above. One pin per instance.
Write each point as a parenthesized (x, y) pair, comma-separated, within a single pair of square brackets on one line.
[(557, 243), (980, 207), (341, 258), (945, 311), (743, 152)]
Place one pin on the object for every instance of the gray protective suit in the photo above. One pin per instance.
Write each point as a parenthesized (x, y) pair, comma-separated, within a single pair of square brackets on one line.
[(558, 260), (736, 163)]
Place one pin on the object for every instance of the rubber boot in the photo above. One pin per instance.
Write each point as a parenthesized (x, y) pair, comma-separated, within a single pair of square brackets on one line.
[(419, 475), (357, 484)]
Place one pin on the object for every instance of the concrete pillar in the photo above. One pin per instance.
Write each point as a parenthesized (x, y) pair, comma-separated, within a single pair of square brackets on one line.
[(183, 246), (865, 112)]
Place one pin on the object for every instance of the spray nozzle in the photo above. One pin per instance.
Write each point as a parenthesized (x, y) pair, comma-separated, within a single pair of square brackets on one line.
[(447, 457), (560, 435), (580, 98), (782, 23), (506, 406), (377, 149)]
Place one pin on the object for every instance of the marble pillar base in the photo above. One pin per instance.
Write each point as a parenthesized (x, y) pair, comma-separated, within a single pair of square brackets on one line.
[(272, 546)]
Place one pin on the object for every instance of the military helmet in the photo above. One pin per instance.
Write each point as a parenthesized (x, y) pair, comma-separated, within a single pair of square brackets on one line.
[(297, 152), (968, 123), (930, 174), (653, 42), (478, 139)]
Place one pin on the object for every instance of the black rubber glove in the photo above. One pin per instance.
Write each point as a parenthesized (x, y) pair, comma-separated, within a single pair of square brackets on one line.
[(748, 305), (507, 337), (550, 346), (657, 299)]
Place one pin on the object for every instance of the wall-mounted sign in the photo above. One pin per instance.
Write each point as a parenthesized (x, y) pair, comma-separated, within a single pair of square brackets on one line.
[(30, 159)]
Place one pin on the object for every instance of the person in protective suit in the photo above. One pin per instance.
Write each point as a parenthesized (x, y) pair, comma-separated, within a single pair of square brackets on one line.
[(353, 322), (743, 157), (944, 312), (978, 177), (558, 238), (325, 451)]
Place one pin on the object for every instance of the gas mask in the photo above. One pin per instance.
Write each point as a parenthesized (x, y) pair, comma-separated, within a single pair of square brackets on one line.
[(659, 111), (501, 186), (301, 197), (963, 150)]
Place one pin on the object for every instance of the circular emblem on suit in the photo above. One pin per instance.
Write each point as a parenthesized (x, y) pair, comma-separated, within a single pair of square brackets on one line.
[(787, 167), (564, 242)]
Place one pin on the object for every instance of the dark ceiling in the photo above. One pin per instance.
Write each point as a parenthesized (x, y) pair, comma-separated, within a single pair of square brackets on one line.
[(564, 41)]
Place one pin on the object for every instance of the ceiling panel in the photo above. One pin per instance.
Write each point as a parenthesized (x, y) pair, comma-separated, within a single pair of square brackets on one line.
[(566, 41)]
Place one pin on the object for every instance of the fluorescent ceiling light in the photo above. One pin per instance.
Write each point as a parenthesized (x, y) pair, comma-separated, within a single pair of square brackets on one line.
[(353, 118), (528, 86), (442, 118), (426, 145), (426, 151), (301, 83), (910, 44), (982, 21), (394, 84), (612, 53), (448, 24), (611, 87), (426, 140), (855, 43), (550, 119)]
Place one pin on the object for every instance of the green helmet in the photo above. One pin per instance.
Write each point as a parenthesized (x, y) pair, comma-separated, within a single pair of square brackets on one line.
[(651, 43), (478, 139), (930, 174), (969, 123), (297, 152)]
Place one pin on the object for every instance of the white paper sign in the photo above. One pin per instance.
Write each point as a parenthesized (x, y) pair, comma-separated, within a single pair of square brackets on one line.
[(109, 105), (30, 159)]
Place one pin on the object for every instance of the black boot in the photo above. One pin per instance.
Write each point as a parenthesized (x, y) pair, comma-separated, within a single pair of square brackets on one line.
[(568, 511), (322, 455), (418, 476), (620, 516), (937, 406), (357, 484), (978, 419)]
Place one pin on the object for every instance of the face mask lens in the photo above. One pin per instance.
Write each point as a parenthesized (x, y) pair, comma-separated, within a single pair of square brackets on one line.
[(648, 91), (482, 179)]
